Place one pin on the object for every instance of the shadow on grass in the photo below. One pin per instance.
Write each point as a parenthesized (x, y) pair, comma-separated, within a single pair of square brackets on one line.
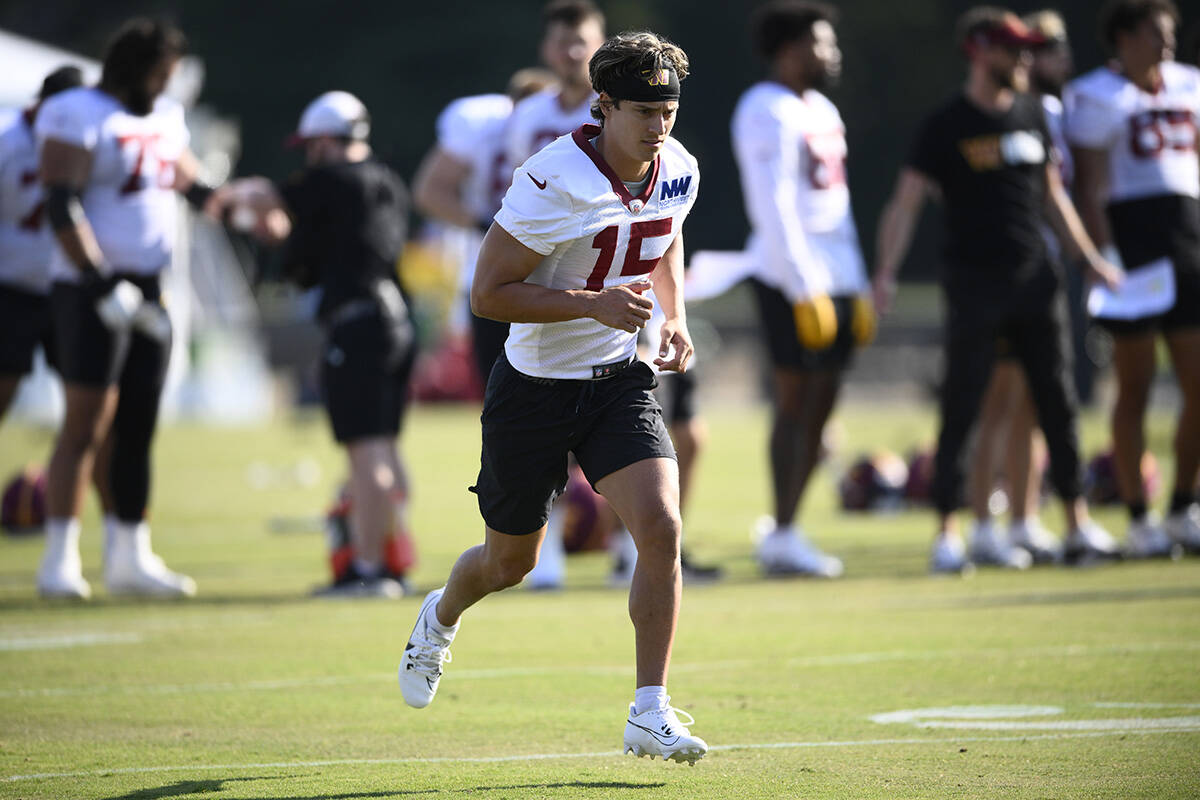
[(191, 788)]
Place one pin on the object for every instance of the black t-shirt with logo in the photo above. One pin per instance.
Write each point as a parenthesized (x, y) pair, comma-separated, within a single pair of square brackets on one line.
[(991, 168), (350, 222)]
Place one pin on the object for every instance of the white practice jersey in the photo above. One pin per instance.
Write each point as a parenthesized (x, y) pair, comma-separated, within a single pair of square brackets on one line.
[(128, 199), (791, 153), (1053, 108), (568, 205), (1150, 138), (472, 130), (25, 239), (538, 120)]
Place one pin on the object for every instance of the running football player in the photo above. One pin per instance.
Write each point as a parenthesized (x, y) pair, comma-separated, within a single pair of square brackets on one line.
[(590, 224)]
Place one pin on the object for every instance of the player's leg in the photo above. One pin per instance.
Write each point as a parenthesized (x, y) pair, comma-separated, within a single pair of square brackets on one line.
[(991, 434), (131, 566), (1183, 519), (24, 322), (1023, 458), (1041, 340)]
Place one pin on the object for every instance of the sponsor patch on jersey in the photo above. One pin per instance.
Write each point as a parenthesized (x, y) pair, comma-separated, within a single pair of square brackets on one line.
[(674, 191)]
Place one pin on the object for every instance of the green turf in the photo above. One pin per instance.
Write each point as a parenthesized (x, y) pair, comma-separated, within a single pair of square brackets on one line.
[(255, 690)]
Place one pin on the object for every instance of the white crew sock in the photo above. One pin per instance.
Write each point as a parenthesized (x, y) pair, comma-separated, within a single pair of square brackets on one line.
[(447, 632), (62, 540), (647, 698)]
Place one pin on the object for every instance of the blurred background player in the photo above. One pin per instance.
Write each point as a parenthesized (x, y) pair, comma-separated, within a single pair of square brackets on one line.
[(1133, 125), (463, 179), (342, 221), (1009, 447), (987, 155), (25, 243), (572, 31), (570, 380), (810, 281), (112, 159)]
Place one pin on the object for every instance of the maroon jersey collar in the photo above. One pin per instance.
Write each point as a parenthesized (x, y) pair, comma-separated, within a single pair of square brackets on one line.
[(582, 136)]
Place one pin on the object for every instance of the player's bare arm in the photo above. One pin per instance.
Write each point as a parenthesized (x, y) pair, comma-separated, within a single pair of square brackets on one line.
[(896, 226), (64, 170), (667, 278), (437, 188), (1071, 231), (499, 291), (1091, 191)]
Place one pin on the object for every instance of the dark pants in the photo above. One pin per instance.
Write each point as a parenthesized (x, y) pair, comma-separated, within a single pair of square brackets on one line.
[(1033, 319)]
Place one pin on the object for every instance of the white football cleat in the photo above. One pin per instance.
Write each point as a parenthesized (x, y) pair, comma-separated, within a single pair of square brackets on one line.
[(132, 568), (1147, 538), (1031, 536), (948, 555), (426, 651), (62, 576), (550, 571), (1184, 528), (659, 732), (788, 552), (1089, 542), (990, 547)]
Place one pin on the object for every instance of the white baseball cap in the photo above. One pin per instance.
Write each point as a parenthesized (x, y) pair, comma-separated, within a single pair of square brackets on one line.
[(333, 114)]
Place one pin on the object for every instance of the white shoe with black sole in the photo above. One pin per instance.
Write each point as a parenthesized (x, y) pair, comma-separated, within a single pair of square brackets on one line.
[(426, 651)]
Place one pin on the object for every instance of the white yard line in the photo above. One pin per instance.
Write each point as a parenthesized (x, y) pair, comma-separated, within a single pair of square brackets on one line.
[(59, 641), (551, 756)]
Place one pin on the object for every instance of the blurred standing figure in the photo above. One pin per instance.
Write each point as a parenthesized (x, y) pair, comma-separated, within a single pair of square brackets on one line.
[(112, 159), (1133, 125), (811, 283), (463, 179), (590, 223), (342, 221), (25, 243), (1008, 442), (987, 154)]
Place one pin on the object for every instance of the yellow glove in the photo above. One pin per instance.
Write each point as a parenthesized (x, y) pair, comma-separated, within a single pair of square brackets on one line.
[(816, 322), (863, 320)]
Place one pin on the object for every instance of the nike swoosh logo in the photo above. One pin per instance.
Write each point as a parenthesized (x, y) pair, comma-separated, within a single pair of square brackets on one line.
[(536, 182), (668, 742)]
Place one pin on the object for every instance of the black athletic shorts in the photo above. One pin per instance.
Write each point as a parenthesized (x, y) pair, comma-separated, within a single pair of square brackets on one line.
[(365, 369), (783, 340), (24, 324), (88, 352), (679, 401), (1151, 228), (531, 424)]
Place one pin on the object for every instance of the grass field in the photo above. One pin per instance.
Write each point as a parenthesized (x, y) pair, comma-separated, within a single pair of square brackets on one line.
[(1078, 683)]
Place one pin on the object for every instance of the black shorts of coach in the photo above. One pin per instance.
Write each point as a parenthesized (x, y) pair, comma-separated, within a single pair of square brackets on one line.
[(366, 365), (783, 340), (24, 324), (531, 424), (89, 353)]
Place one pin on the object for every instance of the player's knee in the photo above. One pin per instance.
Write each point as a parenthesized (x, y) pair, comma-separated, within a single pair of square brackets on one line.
[(511, 569), (659, 537)]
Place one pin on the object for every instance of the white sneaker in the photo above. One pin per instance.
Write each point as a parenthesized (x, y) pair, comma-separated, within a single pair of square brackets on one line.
[(1184, 528), (426, 651), (1089, 542), (788, 552), (990, 547), (659, 732), (63, 577), (133, 568), (1147, 538), (948, 554), (550, 571), (1032, 537)]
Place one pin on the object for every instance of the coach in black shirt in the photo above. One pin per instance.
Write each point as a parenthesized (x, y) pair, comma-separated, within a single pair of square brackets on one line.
[(342, 223), (988, 155)]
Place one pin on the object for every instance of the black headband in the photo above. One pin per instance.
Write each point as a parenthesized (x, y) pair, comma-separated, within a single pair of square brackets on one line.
[(648, 86)]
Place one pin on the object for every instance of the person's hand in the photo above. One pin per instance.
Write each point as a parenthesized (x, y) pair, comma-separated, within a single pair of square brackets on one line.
[(816, 322), (863, 321), (119, 306), (1099, 269), (623, 307), (674, 335), (883, 293)]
